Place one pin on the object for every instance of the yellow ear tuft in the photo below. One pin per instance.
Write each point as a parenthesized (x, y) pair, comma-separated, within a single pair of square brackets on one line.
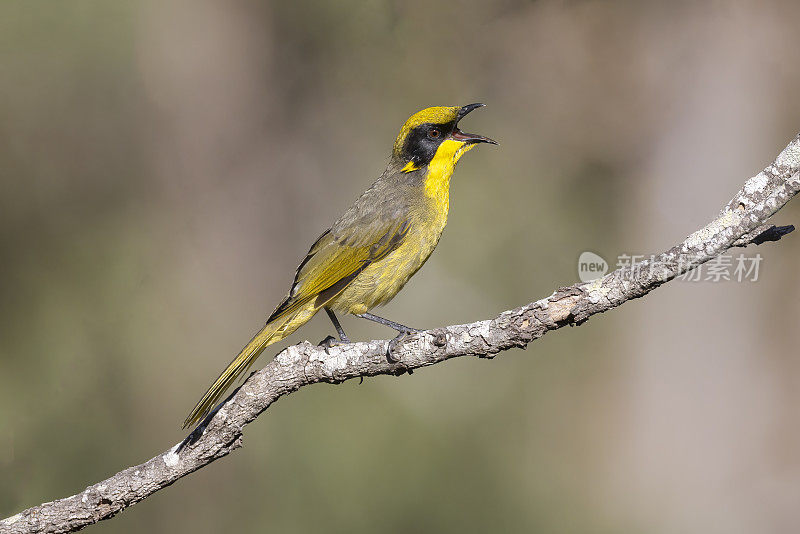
[(411, 166)]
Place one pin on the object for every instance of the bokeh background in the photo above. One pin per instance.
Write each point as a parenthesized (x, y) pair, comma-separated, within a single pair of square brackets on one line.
[(165, 165)]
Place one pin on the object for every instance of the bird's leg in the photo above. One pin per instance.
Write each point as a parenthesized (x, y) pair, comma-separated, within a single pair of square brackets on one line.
[(402, 329), (337, 326), (391, 324), (331, 341)]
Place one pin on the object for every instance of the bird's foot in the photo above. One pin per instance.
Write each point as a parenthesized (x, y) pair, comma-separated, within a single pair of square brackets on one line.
[(395, 341), (330, 342)]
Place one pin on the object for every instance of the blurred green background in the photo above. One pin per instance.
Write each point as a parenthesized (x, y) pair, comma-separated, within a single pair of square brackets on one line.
[(165, 165)]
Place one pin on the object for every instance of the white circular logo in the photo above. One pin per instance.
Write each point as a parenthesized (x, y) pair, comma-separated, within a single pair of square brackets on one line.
[(591, 266)]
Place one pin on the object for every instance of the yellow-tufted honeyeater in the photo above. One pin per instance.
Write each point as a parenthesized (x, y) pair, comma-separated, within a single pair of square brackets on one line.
[(371, 251)]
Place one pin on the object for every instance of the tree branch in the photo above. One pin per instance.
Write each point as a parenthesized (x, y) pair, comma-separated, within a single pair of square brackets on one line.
[(741, 222)]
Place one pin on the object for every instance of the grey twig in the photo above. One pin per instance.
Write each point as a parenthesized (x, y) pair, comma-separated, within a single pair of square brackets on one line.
[(741, 221)]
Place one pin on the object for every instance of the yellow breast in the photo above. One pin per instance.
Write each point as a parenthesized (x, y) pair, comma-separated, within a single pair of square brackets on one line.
[(381, 281)]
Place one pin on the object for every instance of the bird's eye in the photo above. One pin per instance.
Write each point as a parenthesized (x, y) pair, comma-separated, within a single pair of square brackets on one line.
[(433, 133)]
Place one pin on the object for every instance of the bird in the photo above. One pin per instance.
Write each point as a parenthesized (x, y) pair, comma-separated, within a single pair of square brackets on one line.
[(366, 257)]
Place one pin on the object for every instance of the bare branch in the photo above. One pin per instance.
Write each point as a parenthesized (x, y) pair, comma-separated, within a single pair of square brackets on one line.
[(741, 221)]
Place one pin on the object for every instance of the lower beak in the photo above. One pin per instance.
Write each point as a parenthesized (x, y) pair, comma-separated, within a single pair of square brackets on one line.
[(469, 138)]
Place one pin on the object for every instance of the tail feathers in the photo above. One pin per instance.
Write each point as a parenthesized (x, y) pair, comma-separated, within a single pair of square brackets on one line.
[(271, 333)]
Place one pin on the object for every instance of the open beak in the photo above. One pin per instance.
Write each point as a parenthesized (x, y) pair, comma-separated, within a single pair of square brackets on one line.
[(469, 138)]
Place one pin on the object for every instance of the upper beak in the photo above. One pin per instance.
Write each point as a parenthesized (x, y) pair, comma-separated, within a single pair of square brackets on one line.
[(469, 138)]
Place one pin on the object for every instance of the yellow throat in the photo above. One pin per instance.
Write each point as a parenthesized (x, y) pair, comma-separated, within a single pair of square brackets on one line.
[(440, 169)]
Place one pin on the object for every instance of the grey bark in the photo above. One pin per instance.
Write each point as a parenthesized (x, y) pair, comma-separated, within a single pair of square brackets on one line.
[(741, 221)]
